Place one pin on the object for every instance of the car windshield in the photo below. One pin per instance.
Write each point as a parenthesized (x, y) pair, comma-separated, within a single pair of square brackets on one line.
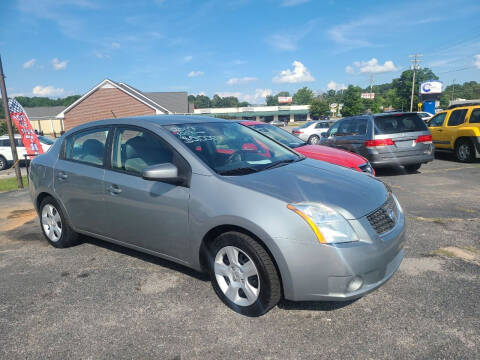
[(279, 135), (231, 148), (307, 124), (45, 140), (399, 123)]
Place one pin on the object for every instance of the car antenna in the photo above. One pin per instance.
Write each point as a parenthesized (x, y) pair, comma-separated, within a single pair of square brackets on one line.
[(115, 116)]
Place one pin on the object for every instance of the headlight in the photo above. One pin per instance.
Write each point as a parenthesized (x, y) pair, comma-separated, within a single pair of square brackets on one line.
[(328, 225)]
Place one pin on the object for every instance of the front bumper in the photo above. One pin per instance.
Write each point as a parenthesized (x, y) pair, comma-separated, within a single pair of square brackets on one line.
[(326, 272)]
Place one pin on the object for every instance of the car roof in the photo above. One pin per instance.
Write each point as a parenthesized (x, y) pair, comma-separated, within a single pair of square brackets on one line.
[(151, 119), (396, 113), (251, 122)]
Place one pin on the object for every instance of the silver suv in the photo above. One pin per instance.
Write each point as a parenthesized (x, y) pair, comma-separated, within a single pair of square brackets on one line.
[(384, 139), (312, 131)]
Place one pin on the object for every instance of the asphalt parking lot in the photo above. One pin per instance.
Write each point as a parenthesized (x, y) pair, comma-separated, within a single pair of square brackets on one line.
[(98, 300)]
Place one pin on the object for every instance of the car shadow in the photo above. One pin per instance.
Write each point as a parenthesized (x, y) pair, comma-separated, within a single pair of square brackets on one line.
[(450, 156), (393, 171), (147, 257), (314, 305)]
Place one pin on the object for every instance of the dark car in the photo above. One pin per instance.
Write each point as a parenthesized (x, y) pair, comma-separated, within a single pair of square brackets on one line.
[(386, 139)]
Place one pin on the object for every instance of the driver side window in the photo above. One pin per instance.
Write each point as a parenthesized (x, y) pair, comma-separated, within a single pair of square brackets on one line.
[(333, 129), (134, 150)]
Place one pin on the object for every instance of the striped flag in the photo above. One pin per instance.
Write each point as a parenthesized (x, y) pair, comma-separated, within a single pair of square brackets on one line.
[(20, 118)]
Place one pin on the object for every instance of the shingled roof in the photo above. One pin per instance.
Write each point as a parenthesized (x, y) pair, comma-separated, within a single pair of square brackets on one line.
[(43, 112)]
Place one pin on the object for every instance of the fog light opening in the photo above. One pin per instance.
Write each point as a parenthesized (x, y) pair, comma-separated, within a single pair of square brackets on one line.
[(355, 284)]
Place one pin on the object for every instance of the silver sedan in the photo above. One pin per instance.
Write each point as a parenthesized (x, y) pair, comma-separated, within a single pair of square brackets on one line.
[(217, 196)]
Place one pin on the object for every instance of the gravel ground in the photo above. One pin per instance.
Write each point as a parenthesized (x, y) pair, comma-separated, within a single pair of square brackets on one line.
[(98, 300)]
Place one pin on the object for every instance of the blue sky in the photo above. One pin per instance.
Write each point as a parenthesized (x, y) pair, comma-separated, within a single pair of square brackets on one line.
[(246, 48)]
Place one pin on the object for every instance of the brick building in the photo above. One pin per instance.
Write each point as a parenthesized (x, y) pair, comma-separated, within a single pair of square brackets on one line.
[(110, 99)]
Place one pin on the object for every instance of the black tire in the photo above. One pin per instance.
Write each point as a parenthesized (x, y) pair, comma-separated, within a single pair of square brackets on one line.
[(313, 140), (464, 151), (412, 168), (68, 237), (3, 163), (269, 282)]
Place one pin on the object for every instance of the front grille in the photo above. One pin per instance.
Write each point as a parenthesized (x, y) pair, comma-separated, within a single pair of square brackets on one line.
[(383, 219)]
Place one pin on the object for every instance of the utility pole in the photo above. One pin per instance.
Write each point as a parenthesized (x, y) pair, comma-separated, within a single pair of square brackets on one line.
[(13, 146), (415, 59), (453, 89), (371, 82)]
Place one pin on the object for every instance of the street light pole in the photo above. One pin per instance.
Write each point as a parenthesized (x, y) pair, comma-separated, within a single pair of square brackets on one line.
[(415, 61), (13, 146)]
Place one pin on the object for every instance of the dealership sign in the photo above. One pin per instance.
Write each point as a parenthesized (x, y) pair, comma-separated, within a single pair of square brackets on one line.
[(431, 87), (285, 99), (370, 96)]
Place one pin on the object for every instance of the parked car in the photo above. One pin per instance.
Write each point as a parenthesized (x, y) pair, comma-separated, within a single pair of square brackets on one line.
[(279, 122), (387, 139), (458, 130), (312, 131), (6, 156), (425, 116), (208, 193), (317, 152)]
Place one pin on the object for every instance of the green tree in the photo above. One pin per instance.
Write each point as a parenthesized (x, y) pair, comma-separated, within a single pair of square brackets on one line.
[(352, 101), (403, 86), (272, 100), (319, 107), (202, 102), (303, 96)]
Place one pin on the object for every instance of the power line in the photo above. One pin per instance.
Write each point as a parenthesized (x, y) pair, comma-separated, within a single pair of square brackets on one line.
[(415, 59)]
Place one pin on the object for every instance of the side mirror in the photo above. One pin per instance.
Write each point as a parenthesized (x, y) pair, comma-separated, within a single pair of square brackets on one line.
[(166, 172)]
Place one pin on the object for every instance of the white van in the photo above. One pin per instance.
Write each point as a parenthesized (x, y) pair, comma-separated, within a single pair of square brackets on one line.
[(6, 156)]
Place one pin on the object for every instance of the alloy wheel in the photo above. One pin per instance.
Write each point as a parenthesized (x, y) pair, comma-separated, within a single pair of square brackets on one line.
[(237, 276), (51, 222), (463, 152)]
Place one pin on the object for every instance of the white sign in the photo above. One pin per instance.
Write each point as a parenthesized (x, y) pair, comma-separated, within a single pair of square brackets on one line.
[(285, 99), (368, 96), (333, 105), (431, 87)]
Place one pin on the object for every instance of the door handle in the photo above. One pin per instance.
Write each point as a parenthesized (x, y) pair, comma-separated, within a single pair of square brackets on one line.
[(114, 189), (62, 176)]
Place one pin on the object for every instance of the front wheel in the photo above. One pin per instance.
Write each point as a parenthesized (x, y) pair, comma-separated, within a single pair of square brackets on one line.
[(464, 151), (3, 163), (313, 140), (243, 274), (412, 168), (54, 225)]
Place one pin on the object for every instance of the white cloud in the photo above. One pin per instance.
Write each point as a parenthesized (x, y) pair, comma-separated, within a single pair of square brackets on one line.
[(477, 61), (115, 45), (371, 66), (238, 62), (187, 58), (288, 40), (261, 94), (59, 65), (239, 81), (299, 74), (101, 55), (195, 73), (287, 3), (28, 64), (332, 85), (47, 91)]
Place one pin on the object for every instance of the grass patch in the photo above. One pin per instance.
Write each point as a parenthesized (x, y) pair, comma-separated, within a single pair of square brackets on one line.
[(10, 183), (443, 252)]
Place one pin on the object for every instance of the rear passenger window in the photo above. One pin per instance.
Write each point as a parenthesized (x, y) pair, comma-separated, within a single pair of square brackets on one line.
[(87, 146), (457, 117), (475, 117), (134, 150), (398, 123)]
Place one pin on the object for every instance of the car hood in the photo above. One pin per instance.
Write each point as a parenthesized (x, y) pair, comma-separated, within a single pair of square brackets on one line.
[(334, 156), (351, 193)]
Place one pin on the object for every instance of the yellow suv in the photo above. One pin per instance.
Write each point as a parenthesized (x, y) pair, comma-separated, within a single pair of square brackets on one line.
[(458, 129)]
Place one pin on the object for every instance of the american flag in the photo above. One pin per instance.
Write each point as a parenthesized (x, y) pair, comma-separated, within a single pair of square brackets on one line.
[(20, 118)]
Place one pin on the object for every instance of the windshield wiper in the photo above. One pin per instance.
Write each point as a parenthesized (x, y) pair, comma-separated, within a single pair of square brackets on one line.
[(239, 171), (280, 163)]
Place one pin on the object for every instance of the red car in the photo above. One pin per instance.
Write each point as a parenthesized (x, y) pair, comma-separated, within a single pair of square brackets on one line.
[(317, 152)]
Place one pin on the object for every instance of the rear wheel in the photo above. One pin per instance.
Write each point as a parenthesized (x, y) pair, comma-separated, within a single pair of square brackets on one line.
[(243, 274), (412, 168), (54, 225), (314, 140), (464, 151), (3, 163)]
